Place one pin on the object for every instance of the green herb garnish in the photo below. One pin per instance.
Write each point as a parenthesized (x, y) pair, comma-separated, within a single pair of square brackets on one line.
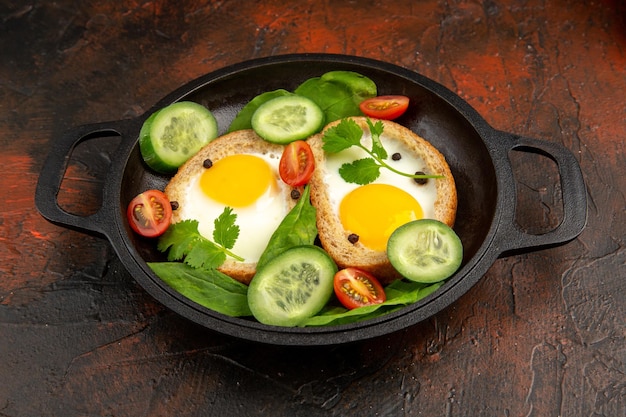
[(346, 134), (184, 242)]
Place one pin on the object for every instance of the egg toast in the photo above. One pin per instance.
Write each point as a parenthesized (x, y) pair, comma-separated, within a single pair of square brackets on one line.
[(329, 191), (197, 196)]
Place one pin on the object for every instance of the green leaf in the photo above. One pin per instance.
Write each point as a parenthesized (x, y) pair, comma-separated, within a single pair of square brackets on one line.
[(204, 254), (361, 171), (376, 129), (338, 93), (209, 288), (184, 242), (377, 146), (299, 227), (347, 133), (342, 136), (408, 292), (359, 86), (226, 231), (399, 294), (179, 238)]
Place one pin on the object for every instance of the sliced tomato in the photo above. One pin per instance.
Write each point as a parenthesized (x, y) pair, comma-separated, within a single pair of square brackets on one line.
[(150, 213), (356, 288), (297, 163), (385, 107)]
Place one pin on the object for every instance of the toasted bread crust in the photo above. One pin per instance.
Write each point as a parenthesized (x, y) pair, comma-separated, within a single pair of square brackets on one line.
[(238, 142), (332, 235)]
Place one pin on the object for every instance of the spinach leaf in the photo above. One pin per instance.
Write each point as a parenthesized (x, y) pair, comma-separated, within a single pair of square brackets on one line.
[(338, 93), (399, 294), (243, 120), (207, 287), (299, 227)]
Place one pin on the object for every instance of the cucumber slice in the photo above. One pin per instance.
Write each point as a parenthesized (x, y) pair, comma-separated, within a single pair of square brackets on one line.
[(243, 120), (292, 287), (425, 250), (174, 134), (287, 118)]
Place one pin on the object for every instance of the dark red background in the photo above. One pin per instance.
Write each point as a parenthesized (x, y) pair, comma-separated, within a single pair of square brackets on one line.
[(542, 334)]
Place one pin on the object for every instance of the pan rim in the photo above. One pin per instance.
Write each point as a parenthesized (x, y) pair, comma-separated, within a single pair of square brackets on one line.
[(451, 291)]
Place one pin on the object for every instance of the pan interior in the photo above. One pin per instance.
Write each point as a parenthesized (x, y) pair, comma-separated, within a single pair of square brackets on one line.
[(430, 115)]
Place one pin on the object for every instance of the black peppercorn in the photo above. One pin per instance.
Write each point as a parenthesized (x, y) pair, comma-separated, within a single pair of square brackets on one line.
[(396, 156), (207, 163), (420, 181), (353, 238), (174, 205), (295, 194)]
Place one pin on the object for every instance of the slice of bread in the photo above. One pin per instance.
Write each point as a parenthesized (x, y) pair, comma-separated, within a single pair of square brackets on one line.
[(238, 142), (333, 236)]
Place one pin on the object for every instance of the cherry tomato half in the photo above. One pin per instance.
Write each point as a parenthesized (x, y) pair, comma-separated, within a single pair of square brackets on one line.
[(355, 288), (297, 163), (150, 213), (385, 107)]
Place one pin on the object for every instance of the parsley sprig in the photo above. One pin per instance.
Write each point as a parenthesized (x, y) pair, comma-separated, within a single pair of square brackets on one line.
[(346, 134), (184, 242)]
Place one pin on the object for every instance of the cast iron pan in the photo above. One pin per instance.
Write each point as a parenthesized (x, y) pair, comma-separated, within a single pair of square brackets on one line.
[(477, 154)]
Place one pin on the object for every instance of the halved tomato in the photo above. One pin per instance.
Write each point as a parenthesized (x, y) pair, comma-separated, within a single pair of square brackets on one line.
[(297, 163), (356, 288), (385, 107), (150, 213)]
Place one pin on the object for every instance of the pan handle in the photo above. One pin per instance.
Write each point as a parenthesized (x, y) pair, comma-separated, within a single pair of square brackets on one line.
[(53, 171), (573, 191)]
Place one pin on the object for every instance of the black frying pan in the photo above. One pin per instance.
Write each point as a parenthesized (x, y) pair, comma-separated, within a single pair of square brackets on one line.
[(478, 156)]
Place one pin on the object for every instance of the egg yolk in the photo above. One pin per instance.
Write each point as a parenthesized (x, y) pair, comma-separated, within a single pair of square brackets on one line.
[(374, 211), (238, 180)]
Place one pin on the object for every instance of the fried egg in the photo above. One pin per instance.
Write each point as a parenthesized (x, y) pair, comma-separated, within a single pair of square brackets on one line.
[(250, 185), (375, 210)]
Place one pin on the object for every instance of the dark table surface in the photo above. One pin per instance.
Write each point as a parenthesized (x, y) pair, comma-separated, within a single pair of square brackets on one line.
[(541, 334)]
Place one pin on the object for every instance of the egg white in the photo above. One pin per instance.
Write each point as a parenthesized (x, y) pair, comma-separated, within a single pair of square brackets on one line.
[(425, 194), (256, 222)]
